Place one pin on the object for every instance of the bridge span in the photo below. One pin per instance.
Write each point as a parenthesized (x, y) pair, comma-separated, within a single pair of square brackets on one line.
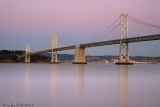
[(80, 48), (110, 42)]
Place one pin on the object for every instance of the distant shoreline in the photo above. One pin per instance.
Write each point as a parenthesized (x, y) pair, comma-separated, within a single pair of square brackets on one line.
[(11, 56), (71, 63)]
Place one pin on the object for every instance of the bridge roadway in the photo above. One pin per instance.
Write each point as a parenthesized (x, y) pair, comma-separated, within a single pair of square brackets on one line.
[(110, 42)]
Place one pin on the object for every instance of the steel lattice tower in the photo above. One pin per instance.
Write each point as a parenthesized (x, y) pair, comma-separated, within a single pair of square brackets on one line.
[(27, 56), (54, 45), (124, 50)]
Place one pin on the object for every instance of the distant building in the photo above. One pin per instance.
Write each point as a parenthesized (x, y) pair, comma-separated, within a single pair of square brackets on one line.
[(104, 61), (115, 60)]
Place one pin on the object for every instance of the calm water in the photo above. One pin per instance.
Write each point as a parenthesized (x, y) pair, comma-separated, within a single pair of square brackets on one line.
[(68, 85)]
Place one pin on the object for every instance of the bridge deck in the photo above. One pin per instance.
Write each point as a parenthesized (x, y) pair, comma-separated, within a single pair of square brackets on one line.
[(111, 42), (129, 40)]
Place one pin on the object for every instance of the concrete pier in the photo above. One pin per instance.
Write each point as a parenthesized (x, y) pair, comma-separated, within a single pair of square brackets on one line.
[(124, 63), (79, 55), (54, 62)]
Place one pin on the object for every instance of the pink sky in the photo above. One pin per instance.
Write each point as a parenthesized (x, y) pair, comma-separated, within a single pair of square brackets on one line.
[(73, 20)]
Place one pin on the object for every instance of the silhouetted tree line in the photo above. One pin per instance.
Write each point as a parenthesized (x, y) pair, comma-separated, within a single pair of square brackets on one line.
[(11, 56)]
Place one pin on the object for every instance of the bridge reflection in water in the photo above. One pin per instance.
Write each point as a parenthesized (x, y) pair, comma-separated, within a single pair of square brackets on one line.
[(54, 85), (124, 87), (80, 84), (27, 83), (79, 79)]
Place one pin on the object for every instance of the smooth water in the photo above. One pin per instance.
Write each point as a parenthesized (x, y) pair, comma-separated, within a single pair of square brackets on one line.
[(68, 85)]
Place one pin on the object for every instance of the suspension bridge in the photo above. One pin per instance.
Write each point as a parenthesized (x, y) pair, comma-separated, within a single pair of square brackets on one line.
[(80, 48)]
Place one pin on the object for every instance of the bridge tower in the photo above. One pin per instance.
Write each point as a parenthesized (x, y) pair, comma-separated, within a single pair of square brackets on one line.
[(54, 53), (124, 48), (27, 56)]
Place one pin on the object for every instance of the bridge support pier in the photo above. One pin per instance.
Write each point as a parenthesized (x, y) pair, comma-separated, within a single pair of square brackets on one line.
[(124, 48), (79, 55), (54, 53), (27, 56)]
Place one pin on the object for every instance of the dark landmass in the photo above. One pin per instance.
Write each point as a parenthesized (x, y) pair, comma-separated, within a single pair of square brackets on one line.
[(11, 56)]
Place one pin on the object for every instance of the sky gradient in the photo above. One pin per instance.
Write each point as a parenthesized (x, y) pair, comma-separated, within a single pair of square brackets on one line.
[(76, 21)]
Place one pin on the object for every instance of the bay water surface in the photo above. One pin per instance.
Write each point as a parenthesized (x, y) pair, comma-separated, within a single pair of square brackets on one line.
[(90, 85)]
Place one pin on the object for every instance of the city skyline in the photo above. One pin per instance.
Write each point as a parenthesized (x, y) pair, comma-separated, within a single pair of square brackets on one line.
[(79, 21)]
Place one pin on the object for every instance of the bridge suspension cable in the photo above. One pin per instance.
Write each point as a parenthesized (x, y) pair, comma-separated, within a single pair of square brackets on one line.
[(48, 45), (142, 23), (61, 42), (108, 32), (102, 35), (32, 50)]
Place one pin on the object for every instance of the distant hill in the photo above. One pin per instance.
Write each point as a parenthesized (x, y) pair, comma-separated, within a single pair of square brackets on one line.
[(11, 56)]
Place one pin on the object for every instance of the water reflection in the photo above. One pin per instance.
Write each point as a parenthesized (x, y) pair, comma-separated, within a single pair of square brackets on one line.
[(79, 76), (124, 91), (27, 82), (53, 85), (92, 85)]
